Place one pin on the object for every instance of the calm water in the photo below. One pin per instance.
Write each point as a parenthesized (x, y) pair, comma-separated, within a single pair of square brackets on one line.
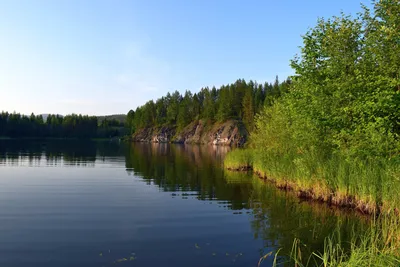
[(69, 203)]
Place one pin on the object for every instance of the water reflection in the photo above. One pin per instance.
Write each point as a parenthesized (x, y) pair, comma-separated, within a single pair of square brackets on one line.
[(35, 153), (277, 217), (173, 199), (179, 168)]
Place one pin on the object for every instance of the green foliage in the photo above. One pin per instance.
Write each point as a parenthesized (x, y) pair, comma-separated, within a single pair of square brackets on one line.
[(121, 118), (248, 109), (173, 107), (186, 111), (16, 125), (345, 96), (347, 83), (240, 100), (239, 159), (130, 120)]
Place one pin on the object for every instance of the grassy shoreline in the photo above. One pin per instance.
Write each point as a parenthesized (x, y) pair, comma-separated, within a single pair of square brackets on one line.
[(366, 186), (378, 246)]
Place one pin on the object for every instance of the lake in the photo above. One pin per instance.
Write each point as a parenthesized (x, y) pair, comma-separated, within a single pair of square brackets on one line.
[(84, 203)]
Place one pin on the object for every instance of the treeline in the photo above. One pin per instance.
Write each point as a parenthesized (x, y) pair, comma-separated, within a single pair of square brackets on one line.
[(16, 125), (239, 100), (115, 117)]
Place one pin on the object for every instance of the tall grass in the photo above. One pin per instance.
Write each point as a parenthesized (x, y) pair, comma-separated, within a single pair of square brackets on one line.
[(239, 159), (379, 246), (371, 186)]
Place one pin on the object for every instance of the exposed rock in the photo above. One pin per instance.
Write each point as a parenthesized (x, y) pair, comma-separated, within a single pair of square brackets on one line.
[(154, 135), (228, 133)]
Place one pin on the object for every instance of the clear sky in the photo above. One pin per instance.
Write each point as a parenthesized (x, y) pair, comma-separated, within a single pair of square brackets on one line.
[(107, 57)]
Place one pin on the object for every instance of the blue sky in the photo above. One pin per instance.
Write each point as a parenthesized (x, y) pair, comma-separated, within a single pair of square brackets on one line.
[(107, 57)]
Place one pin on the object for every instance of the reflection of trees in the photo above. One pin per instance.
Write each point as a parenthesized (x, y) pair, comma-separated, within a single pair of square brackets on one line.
[(279, 217), (72, 152), (110, 150), (69, 152), (13, 151), (186, 168)]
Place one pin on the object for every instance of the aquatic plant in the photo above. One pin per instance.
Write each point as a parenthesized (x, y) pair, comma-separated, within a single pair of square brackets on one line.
[(379, 246), (368, 185)]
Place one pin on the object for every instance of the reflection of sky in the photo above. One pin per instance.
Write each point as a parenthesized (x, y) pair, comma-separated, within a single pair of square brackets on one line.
[(71, 214), (164, 203)]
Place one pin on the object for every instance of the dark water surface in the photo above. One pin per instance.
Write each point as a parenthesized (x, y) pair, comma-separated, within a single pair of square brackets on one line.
[(70, 203)]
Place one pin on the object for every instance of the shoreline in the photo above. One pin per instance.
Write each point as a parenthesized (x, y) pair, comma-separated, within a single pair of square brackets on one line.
[(320, 193)]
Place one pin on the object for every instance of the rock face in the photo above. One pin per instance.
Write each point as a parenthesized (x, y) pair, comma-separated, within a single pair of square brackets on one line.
[(230, 133), (154, 135)]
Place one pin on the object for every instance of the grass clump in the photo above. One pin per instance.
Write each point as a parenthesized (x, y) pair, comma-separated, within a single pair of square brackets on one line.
[(379, 246), (239, 159)]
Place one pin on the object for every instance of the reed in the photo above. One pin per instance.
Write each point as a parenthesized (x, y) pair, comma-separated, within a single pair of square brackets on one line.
[(378, 246), (239, 159), (370, 186)]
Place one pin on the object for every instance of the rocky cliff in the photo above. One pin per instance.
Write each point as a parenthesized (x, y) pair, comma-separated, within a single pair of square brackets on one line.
[(232, 132)]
